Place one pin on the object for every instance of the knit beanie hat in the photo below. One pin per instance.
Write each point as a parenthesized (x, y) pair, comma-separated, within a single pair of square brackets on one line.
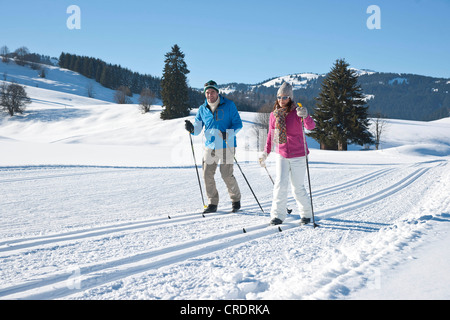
[(285, 90), (210, 85)]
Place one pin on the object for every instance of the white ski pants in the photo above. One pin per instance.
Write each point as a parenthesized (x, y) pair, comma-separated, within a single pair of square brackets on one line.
[(293, 169)]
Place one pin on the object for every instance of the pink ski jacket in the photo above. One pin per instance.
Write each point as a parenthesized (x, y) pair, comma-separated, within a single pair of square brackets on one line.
[(294, 147)]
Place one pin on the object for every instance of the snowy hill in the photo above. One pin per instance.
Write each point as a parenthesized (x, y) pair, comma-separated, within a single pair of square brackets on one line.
[(301, 80), (296, 80), (87, 187), (57, 79)]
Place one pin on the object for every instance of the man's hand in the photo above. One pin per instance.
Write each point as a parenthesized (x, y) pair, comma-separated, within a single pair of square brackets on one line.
[(189, 126)]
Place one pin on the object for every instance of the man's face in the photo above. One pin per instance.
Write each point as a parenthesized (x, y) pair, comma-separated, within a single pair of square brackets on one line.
[(211, 95)]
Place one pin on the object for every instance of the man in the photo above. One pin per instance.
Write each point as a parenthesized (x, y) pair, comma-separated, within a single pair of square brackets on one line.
[(221, 120)]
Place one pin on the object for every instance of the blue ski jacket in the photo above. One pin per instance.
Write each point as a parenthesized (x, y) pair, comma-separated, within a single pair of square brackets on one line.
[(225, 120)]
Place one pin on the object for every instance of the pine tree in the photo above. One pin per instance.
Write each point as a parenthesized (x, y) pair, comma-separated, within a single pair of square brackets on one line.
[(341, 114), (174, 88)]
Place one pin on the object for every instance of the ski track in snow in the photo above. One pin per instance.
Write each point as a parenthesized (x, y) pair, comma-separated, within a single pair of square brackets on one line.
[(87, 238)]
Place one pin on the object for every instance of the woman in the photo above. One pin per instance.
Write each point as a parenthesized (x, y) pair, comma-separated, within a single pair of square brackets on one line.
[(286, 134)]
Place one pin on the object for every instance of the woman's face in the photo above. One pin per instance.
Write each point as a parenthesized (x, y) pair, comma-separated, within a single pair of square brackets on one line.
[(283, 100)]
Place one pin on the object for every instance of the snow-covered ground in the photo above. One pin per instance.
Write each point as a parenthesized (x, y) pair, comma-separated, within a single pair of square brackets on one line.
[(87, 189)]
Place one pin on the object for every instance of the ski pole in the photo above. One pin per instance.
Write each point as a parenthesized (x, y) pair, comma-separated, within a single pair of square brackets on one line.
[(307, 169), (287, 209), (234, 156), (196, 168)]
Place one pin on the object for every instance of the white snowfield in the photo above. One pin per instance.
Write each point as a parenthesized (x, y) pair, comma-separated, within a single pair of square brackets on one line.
[(100, 201)]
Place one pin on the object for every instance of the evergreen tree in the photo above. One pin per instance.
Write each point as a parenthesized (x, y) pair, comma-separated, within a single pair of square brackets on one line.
[(341, 115), (174, 89)]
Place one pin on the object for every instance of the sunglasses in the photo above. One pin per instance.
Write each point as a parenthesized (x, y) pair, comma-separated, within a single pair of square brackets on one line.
[(283, 98)]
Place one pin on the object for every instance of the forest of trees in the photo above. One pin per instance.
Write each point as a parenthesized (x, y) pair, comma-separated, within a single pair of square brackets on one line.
[(109, 75), (407, 96)]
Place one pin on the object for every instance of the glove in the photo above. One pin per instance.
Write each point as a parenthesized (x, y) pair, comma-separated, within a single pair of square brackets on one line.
[(189, 126), (302, 111), (262, 159)]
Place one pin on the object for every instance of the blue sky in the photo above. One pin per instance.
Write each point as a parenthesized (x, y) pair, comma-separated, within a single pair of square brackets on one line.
[(244, 41)]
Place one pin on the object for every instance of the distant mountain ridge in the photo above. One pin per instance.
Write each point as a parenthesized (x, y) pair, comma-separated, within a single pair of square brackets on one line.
[(393, 95)]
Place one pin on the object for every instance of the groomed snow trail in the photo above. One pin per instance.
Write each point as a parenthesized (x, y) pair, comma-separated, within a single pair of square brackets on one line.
[(81, 232)]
